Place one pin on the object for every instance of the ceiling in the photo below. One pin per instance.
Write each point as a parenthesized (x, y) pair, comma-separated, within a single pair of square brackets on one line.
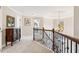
[(44, 11)]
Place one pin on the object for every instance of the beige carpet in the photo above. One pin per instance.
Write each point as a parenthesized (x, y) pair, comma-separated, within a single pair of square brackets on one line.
[(25, 46)]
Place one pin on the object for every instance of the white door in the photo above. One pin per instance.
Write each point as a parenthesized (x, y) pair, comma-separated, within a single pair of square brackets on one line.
[(0, 28)]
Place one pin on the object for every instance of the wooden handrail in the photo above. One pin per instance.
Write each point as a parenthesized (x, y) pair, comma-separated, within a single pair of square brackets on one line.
[(42, 29), (37, 29), (69, 37), (64, 37)]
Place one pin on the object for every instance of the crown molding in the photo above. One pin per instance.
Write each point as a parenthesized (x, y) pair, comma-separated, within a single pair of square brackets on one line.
[(15, 11)]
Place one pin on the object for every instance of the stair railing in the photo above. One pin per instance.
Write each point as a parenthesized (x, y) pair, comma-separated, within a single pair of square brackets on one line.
[(61, 43)]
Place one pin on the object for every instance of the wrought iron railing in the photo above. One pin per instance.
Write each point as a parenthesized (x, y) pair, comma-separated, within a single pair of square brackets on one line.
[(58, 42)]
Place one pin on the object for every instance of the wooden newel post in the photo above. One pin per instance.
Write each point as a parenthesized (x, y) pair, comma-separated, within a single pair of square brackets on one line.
[(43, 33), (53, 40), (33, 34)]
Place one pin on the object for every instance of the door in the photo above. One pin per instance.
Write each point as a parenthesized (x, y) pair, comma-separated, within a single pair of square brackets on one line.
[(0, 28)]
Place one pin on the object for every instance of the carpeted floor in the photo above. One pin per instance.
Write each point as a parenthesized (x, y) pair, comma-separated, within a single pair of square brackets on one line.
[(25, 46)]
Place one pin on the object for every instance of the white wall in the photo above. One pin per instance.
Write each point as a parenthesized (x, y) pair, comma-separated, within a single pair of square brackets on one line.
[(68, 25), (48, 23), (1, 28), (7, 11), (68, 19), (27, 31), (76, 21)]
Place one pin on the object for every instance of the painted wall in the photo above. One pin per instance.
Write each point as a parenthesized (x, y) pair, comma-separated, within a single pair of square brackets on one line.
[(68, 25), (27, 30), (68, 19), (48, 23), (76, 21), (1, 28), (7, 11)]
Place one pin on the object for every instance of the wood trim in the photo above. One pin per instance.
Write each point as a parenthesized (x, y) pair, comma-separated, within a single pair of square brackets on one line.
[(64, 35), (42, 29), (69, 37)]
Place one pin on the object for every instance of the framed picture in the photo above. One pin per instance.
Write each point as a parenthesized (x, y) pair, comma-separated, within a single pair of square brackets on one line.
[(27, 21), (10, 21)]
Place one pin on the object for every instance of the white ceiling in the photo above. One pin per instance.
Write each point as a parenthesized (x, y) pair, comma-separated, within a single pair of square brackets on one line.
[(44, 11)]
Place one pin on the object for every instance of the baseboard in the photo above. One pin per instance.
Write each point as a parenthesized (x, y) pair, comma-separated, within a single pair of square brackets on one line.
[(2, 47)]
